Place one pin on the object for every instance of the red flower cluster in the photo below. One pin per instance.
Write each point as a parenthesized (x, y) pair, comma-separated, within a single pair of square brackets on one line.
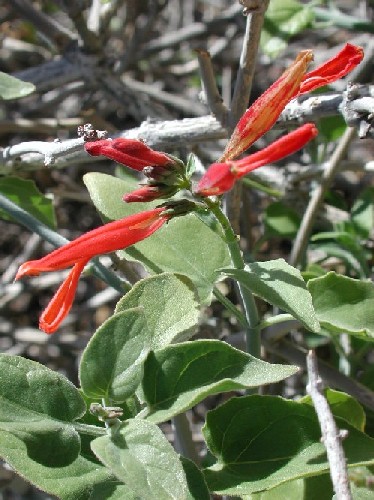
[(264, 112), (166, 175), (163, 171)]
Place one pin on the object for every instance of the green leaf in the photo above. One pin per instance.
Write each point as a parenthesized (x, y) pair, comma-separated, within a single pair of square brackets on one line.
[(362, 482), (179, 376), (37, 438), (362, 213), (78, 480), (31, 387), (112, 363), (334, 249), (27, 196), (281, 285), (263, 441), (206, 216), (131, 407), (112, 490), (169, 305), (197, 487), (13, 88), (344, 406), (344, 304), (106, 193), (185, 245), (311, 488), (343, 245), (361, 493), (313, 271), (331, 127), (283, 19), (281, 220), (191, 164), (140, 456)]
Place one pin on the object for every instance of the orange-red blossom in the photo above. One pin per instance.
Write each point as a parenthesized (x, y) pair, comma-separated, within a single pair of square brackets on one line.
[(105, 239), (265, 111)]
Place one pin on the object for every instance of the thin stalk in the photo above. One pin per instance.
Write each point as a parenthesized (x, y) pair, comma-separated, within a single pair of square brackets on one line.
[(252, 330), (91, 430), (184, 443), (230, 307), (316, 199), (275, 320)]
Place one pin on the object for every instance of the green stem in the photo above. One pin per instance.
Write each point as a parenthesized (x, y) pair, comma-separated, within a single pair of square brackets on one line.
[(274, 320), (91, 430), (260, 186), (250, 309), (184, 441), (230, 307)]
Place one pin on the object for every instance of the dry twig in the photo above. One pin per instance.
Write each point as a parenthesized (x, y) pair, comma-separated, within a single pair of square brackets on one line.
[(332, 437)]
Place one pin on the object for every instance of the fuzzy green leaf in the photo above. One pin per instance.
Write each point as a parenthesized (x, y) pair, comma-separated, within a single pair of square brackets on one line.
[(281, 220), (112, 363), (281, 285), (344, 304), (197, 487), (362, 213), (344, 406), (169, 304), (140, 456), (179, 376), (263, 441), (37, 435)]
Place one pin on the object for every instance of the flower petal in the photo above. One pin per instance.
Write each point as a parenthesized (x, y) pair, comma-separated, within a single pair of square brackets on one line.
[(142, 151), (279, 149), (133, 153), (333, 69), (113, 236), (61, 303), (217, 180), (143, 194), (220, 177)]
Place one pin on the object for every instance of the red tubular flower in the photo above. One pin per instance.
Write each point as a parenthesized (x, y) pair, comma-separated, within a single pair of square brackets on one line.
[(105, 239), (130, 152), (279, 149), (220, 177), (264, 112)]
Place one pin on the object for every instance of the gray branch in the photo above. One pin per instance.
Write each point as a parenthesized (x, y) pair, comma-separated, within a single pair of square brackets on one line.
[(332, 436), (172, 134)]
